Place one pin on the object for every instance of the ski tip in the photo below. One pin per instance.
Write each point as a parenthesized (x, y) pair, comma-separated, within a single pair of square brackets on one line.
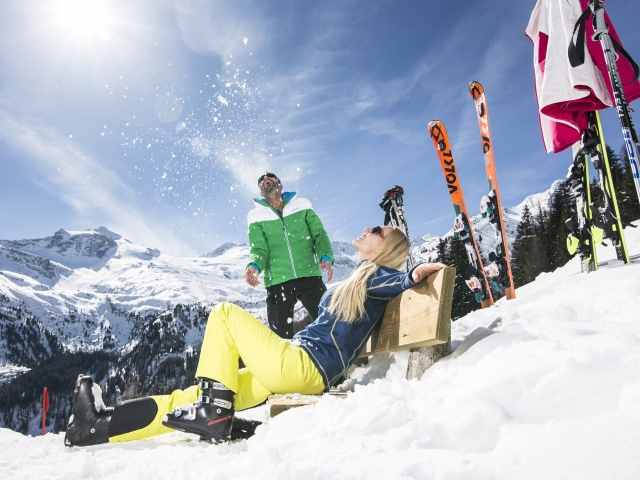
[(475, 88), (436, 130), (435, 124)]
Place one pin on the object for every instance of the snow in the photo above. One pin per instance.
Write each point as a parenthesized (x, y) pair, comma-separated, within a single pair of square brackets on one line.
[(535, 201), (8, 372), (543, 386)]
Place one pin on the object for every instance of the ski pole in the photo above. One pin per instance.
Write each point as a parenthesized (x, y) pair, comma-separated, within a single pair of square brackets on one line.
[(629, 134)]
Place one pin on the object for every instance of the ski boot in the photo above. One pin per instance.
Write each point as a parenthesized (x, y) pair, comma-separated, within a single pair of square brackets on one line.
[(211, 417), (473, 283), (89, 421), (460, 229), (489, 207), (243, 428), (491, 270)]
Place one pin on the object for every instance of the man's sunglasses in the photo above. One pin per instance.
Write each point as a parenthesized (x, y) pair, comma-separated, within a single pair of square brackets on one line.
[(377, 230), (270, 175)]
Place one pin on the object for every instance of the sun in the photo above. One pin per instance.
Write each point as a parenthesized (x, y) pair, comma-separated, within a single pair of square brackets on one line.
[(92, 37), (86, 21)]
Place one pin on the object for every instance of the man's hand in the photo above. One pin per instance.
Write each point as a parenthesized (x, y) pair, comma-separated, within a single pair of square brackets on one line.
[(423, 270), (327, 267), (251, 276)]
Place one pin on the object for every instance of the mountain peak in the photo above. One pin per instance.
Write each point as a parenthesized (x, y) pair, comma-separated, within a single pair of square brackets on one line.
[(222, 249), (104, 231), (70, 248)]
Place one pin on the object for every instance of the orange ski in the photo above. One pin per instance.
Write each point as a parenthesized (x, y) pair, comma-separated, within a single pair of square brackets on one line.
[(463, 227), (493, 201)]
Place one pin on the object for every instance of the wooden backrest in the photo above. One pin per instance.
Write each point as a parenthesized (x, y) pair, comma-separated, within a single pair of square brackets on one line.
[(419, 317)]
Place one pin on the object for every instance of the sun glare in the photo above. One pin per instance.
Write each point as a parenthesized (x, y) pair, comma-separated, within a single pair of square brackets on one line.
[(83, 20), (93, 35)]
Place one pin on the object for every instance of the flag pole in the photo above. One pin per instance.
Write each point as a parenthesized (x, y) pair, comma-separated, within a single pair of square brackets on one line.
[(45, 408)]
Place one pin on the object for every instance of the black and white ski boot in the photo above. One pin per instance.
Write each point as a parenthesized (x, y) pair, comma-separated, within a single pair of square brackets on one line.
[(211, 417), (89, 421)]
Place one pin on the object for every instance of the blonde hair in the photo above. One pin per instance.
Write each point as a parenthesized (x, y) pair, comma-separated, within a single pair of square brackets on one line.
[(347, 300)]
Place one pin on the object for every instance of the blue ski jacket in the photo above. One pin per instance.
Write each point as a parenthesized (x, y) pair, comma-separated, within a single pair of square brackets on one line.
[(332, 343)]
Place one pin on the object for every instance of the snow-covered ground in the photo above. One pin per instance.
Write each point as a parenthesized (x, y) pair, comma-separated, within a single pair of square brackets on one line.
[(546, 386)]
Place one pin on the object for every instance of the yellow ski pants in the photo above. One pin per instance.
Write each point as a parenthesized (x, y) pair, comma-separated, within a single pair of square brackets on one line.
[(273, 365)]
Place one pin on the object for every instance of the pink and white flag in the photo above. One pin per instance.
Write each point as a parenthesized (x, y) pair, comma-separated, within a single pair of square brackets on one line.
[(566, 91)]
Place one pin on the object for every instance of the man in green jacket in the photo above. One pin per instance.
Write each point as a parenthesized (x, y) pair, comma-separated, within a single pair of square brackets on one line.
[(289, 246)]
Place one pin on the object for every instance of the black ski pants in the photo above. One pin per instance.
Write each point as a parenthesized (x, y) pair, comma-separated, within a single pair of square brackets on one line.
[(282, 298)]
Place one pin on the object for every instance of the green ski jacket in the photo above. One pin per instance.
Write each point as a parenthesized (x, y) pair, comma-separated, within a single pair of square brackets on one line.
[(289, 244)]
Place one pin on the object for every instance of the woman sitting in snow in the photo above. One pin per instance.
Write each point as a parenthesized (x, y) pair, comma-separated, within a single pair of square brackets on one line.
[(310, 363)]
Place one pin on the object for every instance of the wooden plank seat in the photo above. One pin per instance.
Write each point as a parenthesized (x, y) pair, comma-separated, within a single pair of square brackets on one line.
[(277, 404), (418, 318)]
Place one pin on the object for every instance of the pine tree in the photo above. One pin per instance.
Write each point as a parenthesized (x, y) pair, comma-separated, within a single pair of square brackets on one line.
[(560, 209), (543, 236), (463, 298), (527, 250), (444, 251), (452, 252), (624, 185)]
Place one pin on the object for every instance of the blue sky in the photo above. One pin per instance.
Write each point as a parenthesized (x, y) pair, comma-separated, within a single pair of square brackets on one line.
[(154, 118)]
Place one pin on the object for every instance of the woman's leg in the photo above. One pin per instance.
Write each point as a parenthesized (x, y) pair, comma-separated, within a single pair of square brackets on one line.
[(142, 417), (91, 422), (273, 364)]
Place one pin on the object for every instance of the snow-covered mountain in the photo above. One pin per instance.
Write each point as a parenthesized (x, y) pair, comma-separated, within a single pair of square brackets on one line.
[(82, 285), (96, 292), (543, 386)]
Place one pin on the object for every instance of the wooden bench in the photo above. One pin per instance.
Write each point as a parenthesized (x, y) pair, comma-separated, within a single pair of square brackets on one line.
[(418, 320)]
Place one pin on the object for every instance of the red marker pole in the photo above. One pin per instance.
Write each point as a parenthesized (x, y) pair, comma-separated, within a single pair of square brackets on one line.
[(45, 409)]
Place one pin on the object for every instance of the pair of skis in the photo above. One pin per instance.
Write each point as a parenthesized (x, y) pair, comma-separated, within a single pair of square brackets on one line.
[(597, 215), (483, 278), (612, 52)]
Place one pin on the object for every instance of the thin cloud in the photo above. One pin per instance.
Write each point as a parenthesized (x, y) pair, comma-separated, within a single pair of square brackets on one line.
[(218, 27), (84, 183)]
